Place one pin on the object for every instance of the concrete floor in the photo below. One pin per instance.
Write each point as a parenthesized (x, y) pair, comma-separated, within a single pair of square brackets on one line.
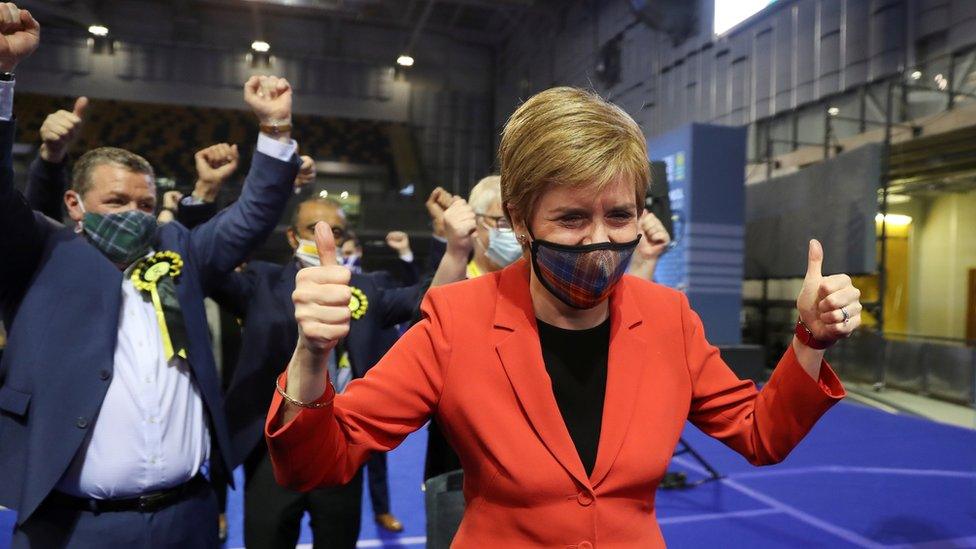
[(901, 402)]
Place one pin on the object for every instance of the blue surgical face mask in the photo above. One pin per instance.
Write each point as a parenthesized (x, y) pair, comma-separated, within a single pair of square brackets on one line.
[(503, 248)]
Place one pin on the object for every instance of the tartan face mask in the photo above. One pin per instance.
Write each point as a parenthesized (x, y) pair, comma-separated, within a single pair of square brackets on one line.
[(123, 237), (581, 276)]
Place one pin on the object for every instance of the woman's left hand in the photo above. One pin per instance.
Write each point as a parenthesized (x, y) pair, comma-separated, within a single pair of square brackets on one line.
[(829, 305)]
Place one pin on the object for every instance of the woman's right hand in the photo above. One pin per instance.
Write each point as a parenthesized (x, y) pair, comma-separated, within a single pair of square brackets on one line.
[(322, 297)]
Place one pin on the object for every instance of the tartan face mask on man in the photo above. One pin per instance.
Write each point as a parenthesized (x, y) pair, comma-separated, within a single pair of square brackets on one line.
[(123, 237), (581, 276)]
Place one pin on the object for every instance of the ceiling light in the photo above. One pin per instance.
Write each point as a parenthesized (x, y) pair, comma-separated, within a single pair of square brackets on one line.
[(344, 195), (260, 46), (916, 75), (98, 30), (405, 61), (833, 111), (896, 220), (324, 194)]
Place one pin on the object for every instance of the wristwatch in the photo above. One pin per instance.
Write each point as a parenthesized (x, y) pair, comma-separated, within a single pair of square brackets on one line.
[(807, 338), (6, 76), (276, 128)]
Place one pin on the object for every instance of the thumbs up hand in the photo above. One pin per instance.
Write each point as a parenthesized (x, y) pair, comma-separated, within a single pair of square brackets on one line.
[(829, 306), (60, 130), (322, 297)]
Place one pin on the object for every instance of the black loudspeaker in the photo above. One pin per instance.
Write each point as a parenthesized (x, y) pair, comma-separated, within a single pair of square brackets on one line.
[(747, 361), (658, 201), (444, 503)]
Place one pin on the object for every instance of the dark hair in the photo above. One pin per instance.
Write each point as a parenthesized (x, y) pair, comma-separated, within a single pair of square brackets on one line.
[(81, 181), (315, 200)]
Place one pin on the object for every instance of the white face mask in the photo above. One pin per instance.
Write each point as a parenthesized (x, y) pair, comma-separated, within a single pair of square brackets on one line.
[(307, 254)]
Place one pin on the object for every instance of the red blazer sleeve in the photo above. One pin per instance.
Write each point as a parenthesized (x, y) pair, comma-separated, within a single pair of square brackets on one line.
[(326, 446), (764, 426)]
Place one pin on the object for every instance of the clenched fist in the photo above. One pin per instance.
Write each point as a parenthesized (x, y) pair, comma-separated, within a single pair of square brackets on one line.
[(270, 99), (398, 241), (655, 240), (438, 201), (60, 130), (19, 35), (459, 227), (322, 298), (306, 172), (214, 165)]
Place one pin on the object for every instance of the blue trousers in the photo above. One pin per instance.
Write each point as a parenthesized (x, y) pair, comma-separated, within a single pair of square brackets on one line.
[(190, 524)]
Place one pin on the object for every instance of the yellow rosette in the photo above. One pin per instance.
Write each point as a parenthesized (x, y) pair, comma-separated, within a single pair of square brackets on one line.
[(145, 276), (358, 303)]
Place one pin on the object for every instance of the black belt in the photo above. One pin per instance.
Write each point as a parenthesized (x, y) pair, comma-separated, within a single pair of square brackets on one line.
[(146, 503)]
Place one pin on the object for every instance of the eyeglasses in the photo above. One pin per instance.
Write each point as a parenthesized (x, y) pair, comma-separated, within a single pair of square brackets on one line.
[(496, 222)]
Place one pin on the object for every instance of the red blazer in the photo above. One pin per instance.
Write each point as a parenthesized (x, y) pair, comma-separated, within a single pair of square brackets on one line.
[(475, 362)]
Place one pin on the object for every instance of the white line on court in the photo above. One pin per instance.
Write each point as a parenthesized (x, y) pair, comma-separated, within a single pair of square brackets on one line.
[(858, 470), (717, 516), (843, 533)]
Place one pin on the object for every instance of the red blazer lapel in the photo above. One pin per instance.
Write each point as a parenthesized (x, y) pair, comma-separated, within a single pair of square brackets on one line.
[(517, 337), (626, 364)]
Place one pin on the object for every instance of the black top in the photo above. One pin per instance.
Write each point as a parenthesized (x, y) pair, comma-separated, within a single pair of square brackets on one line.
[(577, 364)]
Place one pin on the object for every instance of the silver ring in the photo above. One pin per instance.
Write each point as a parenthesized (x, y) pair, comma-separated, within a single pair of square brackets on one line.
[(847, 317)]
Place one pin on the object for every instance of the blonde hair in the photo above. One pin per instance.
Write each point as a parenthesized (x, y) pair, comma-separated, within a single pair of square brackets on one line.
[(568, 136), (484, 193)]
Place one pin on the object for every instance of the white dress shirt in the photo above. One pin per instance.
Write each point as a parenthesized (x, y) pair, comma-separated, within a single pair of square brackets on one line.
[(151, 432)]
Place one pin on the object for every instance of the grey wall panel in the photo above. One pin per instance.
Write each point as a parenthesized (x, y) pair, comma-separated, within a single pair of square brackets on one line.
[(887, 37), (784, 213), (829, 47), (804, 57), (762, 74), (783, 47), (854, 43), (931, 16), (963, 24), (706, 86), (814, 50), (723, 84)]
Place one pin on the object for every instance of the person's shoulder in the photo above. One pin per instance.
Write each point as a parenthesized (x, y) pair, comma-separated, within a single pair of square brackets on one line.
[(653, 296), (482, 288)]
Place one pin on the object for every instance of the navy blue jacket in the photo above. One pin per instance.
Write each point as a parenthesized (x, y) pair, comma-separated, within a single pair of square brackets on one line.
[(60, 300), (261, 295)]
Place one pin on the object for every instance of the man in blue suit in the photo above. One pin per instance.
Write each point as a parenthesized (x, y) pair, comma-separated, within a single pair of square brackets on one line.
[(261, 295), (110, 407)]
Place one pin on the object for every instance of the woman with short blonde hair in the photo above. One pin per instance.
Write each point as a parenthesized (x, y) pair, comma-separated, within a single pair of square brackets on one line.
[(562, 384)]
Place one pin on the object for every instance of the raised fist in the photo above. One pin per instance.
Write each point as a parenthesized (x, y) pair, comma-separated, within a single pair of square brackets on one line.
[(270, 99), (214, 165), (60, 130), (459, 226), (322, 297), (438, 201), (655, 239), (398, 241), (19, 36), (306, 173)]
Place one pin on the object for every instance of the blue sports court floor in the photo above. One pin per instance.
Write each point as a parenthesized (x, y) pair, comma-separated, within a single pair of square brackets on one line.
[(863, 478)]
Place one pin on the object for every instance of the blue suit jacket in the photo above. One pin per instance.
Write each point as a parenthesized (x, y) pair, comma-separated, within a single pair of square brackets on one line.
[(60, 299), (261, 295)]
